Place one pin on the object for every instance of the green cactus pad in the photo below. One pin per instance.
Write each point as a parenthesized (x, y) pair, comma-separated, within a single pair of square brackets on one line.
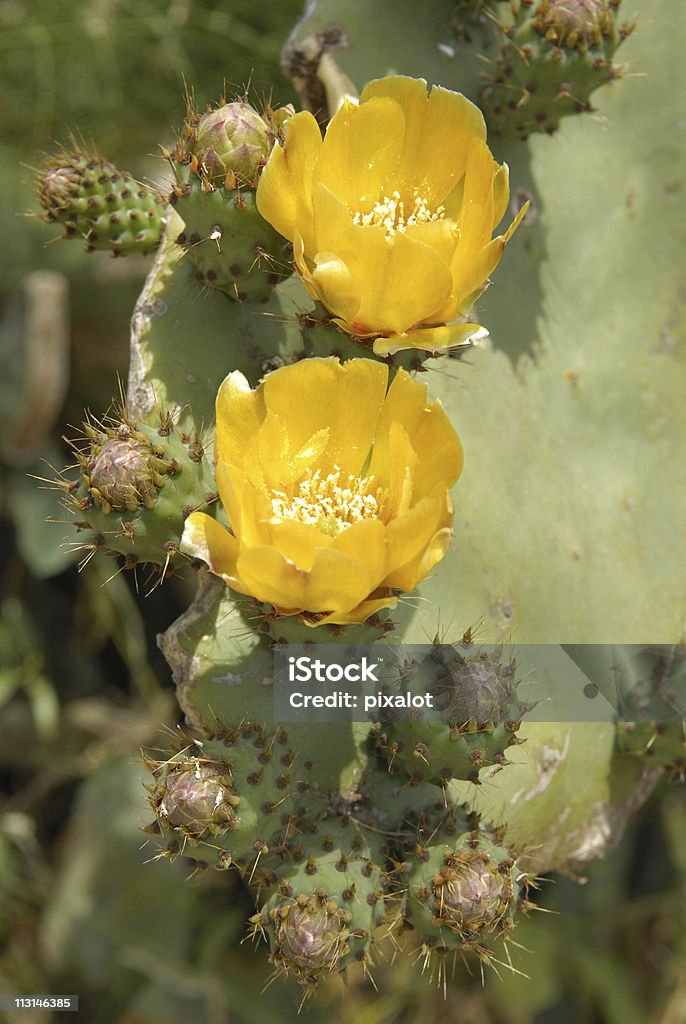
[(325, 903), (250, 774), (228, 244), (554, 55), (95, 201), (139, 481), (654, 690)]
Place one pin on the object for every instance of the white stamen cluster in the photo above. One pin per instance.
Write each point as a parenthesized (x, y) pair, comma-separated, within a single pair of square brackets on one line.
[(331, 502), (390, 213)]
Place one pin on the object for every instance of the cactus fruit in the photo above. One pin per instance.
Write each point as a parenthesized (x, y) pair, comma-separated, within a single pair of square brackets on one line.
[(325, 902), (217, 164), (241, 796), (95, 201), (555, 53), (463, 894), (480, 714), (139, 482), (195, 796)]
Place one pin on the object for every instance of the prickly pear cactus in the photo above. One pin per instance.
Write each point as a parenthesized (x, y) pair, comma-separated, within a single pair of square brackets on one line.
[(345, 517)]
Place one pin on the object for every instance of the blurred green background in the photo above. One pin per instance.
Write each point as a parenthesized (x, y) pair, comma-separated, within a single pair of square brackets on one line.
[(82, 685)]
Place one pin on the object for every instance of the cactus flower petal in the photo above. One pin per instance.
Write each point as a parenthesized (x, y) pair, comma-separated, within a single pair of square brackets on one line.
[(334, 485), (391, 215)]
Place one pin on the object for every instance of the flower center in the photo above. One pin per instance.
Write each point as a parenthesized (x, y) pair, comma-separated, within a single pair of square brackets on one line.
[(331, 502), (391, 213)]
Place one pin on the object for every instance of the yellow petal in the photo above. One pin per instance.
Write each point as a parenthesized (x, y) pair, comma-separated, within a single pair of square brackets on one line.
[(360, 152), (337, 582), (284, 194), (401, 281), (332, 283), (409, 534), (405, 405), (240, 412), (272, 452), (442, 455), (439, 127), (298, 541), (269, 576), (408, 576), (246, 505), (345, 397), (431, 339), (366, 541), (441, 235), (476, 216), (392, 466), (205, 538), (501, 194), (471, 277)]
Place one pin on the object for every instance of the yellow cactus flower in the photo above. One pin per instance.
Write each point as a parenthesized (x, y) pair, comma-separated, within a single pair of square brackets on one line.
[(391, 215), (335, 486)]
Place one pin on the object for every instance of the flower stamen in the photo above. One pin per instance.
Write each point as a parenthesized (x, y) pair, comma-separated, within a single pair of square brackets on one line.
[(331, 502), (390, 213)]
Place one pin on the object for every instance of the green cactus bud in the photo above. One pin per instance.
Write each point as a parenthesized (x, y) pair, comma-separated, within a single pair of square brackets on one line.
[(232, 140), (325, 902), (575, 24), (555, 54), (462, 894), (479, 709), (238, 806), (471, 894), (139, 481), (216, 165), (95, 201)]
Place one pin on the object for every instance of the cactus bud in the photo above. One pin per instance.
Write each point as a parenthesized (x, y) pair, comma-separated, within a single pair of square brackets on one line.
[(138, 483), (471, 892), (459, 894), (95, 201), (310, 935), (555, 54), (476, 691), (217, 164), (197, 799), (576, 24), (124, 474), (232, 139)]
